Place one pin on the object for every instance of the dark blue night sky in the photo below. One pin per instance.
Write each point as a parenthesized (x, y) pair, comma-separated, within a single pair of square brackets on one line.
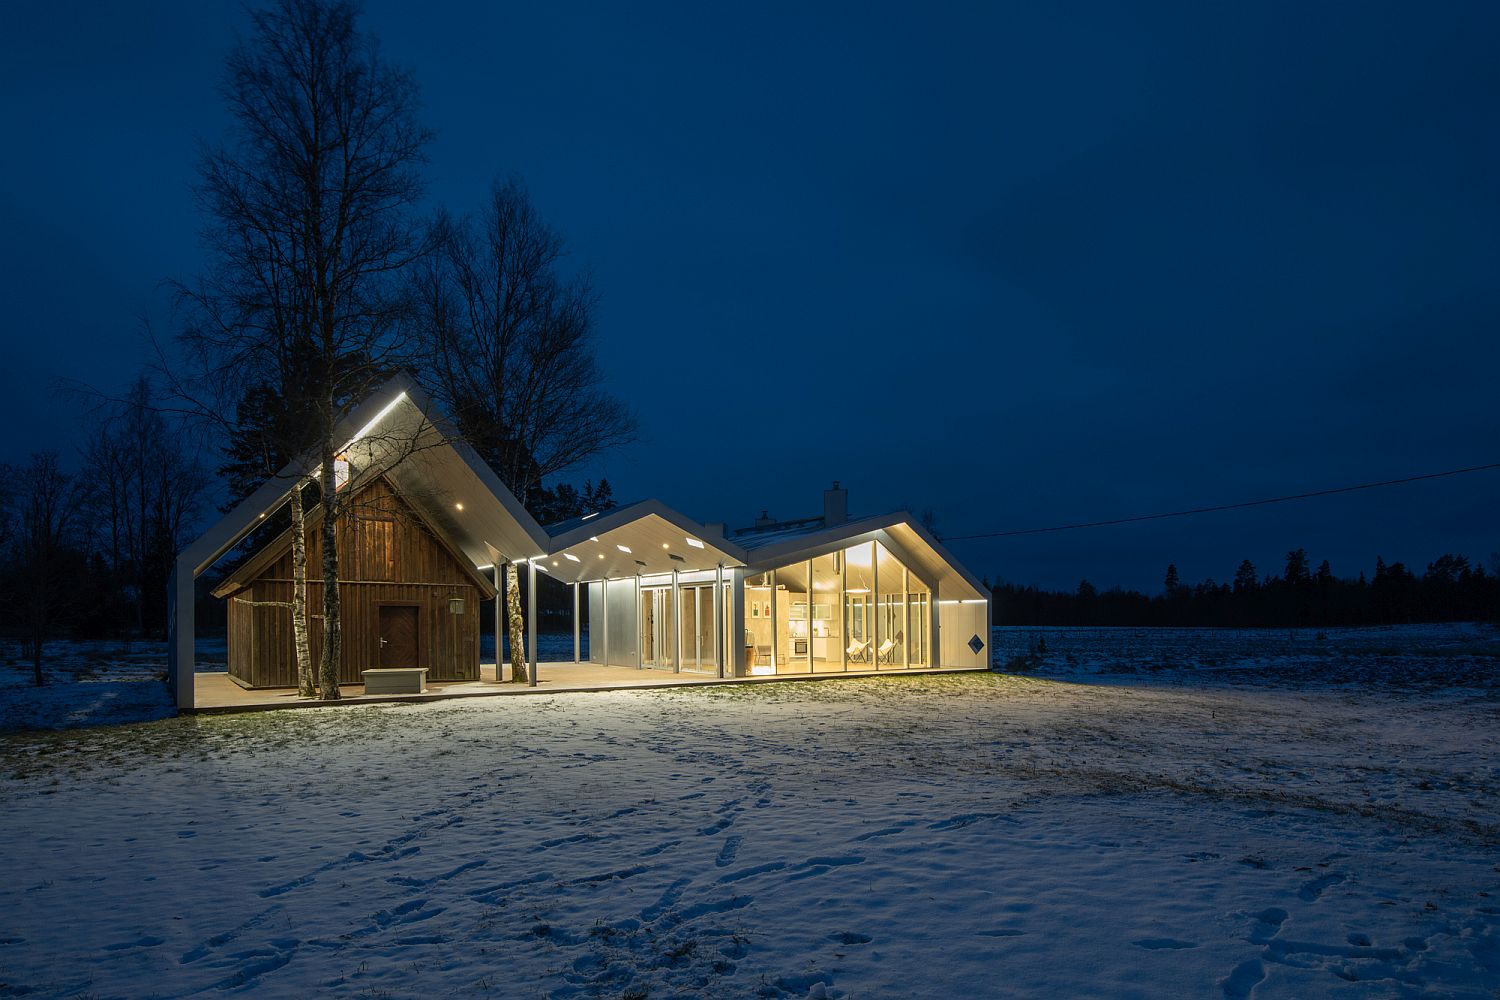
[(1023, 265)]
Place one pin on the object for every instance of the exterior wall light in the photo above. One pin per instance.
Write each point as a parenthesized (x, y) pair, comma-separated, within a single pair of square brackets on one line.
[(455, 605)]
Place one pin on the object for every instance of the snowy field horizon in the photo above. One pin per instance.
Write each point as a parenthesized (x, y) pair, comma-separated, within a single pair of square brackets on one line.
[(1120, 812)]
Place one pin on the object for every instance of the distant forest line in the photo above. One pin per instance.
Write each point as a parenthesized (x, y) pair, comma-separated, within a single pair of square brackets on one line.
[(1449, 589)]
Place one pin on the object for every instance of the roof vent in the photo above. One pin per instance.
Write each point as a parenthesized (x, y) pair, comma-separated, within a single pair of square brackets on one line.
[(765, 520), (835, 505)]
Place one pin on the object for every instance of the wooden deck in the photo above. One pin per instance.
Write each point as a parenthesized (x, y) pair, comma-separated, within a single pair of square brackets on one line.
[(216, 693)]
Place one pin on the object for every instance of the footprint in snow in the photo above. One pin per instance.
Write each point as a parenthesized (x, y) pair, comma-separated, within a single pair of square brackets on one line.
[(1267, 925), (141, 942), (966, 819), (849, 937), (728, 851), (813, 867), (1163, 944), (1239, 984), (1311, 891)]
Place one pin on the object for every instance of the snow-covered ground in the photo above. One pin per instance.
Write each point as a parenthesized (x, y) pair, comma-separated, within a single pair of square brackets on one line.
[(90, 683), (102, 683), (949, 836), (1401, 657)]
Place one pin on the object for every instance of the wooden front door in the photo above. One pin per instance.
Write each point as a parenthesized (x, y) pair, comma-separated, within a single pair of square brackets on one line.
[(398, 636)]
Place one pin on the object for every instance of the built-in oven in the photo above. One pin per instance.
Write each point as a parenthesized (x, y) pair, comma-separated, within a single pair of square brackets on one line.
[(799, 647)]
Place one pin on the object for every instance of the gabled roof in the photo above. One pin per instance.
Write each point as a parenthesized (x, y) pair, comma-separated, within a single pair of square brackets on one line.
[(400, 432), (652, 532), (251, 568), (898, 531)]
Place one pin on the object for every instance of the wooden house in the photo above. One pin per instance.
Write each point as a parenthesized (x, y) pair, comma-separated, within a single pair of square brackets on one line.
[(410, 599)]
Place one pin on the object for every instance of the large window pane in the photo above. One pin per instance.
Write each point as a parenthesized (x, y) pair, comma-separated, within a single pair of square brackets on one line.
[(827, 626), (890, 610), (859, 617), (919, 617), (759, 638)]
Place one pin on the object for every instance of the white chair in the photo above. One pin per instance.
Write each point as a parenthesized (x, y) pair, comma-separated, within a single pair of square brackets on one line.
[(858, 651), (886, 652)]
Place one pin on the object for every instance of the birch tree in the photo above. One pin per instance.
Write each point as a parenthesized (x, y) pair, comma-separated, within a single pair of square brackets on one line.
[(309, 226), (506, 338)]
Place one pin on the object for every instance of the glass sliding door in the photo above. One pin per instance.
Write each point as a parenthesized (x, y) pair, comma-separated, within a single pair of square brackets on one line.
[(656, 627), (698, 628)]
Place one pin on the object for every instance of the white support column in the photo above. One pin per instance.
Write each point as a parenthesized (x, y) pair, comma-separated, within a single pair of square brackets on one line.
[(718, 604), (640, 621), (181, 642), (577, 628), (809, 616), (905, 617), (531, 618), (676, 624), (845, 639), (736, 637), (500, 622), (933, 639), (775, 623), (873, 628), (989, 630), (604, 605)]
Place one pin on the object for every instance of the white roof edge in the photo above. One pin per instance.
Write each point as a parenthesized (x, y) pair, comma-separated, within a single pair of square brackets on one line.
[(477, 465), (622, 516), (232, 528), (779, 552)]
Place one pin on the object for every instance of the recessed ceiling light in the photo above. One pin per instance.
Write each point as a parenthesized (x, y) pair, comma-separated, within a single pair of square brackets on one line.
[(459, 506), (695, 543), (593, 538), (554, 562), (601, 555), (665, 545), (570, 557), (624, 548)]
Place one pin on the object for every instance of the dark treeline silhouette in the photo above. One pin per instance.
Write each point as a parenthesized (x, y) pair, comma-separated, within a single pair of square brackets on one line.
[(1449, 589)]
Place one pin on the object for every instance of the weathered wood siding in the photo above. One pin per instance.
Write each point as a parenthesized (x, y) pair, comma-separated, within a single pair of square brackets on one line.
[(387, 556)]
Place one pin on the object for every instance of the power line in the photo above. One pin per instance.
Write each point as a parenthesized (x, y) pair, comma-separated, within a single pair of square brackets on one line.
[(1226, 506)]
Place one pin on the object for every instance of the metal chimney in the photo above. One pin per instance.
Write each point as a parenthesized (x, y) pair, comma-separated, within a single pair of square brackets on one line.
[(835, 505)]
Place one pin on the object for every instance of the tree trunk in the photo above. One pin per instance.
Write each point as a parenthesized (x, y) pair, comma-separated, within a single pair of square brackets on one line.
[(307, 686), (517, 624), (36, 662), (328, 676)]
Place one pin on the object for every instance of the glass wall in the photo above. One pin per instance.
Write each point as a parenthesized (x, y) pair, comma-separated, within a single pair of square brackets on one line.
[(859, 605), (657, 636), (698, 627), (826, 649), (760, 631), (918, 621), (858, 608), (890, 610)]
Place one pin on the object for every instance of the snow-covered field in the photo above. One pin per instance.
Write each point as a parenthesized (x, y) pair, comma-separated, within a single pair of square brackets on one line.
[(1404, 657), (967, 835)]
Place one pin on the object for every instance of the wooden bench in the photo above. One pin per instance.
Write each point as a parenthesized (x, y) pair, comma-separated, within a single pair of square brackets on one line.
[(395, 680)]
